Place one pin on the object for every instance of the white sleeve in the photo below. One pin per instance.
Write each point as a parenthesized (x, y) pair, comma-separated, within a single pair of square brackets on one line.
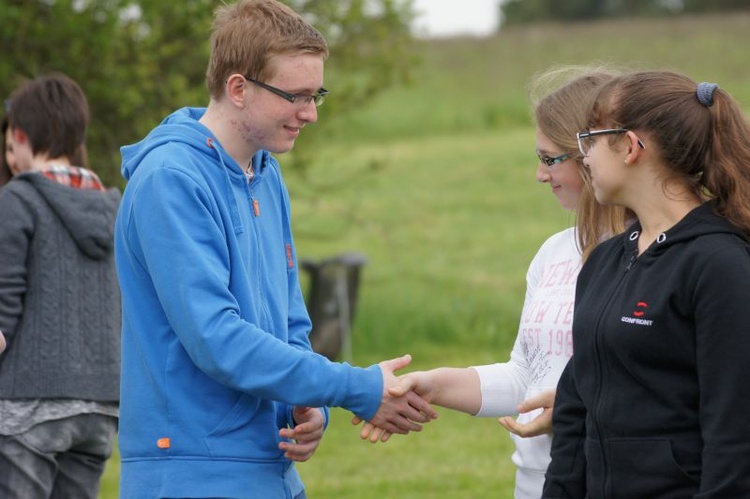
[(503, 385)]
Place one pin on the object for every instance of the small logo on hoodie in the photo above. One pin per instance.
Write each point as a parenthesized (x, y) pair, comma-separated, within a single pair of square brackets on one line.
[(638, 314), (640, 309)]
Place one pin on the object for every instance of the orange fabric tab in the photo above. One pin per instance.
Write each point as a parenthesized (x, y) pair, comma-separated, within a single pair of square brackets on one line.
[(163, 443), (256, 207), (289, 256)]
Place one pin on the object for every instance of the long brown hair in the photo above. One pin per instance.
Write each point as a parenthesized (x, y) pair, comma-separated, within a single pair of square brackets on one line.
[(559, 114), (705, 145)]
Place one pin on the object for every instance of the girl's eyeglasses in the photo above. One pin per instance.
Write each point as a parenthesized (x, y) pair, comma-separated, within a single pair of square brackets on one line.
[(586, 139), (552, 161)]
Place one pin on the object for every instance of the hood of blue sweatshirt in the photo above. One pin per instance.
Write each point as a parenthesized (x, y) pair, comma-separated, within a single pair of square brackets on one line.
[(184, 126)]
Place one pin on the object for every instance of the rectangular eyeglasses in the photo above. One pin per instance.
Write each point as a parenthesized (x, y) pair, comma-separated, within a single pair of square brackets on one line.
[(303, 99), (586, 139), (551, 161)]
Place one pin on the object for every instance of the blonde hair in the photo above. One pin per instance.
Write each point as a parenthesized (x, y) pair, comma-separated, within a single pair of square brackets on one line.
[(248, 33), (562, 98)]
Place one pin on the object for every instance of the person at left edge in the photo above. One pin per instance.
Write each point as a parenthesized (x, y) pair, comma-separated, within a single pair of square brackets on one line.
[(59, 300), (220, 387), (7, 158)]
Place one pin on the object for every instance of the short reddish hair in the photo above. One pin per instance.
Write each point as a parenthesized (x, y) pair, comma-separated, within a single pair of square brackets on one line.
[(247, 34)]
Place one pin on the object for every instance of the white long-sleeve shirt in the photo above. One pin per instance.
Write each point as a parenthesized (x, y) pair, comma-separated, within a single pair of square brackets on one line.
[(542, 349)]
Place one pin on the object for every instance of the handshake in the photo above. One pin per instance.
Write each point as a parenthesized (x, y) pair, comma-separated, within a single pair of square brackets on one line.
[(408, 399), (404, 407)]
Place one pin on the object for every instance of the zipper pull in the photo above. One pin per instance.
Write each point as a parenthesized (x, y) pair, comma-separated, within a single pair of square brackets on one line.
[(256, 207), (632, 260)]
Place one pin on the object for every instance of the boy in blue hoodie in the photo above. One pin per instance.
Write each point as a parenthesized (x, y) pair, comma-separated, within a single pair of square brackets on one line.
[(221, 391)]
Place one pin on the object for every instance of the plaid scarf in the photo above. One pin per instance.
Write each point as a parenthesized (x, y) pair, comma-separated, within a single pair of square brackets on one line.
[(73, 176)]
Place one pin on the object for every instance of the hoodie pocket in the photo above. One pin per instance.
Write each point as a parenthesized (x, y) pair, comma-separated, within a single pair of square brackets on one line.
[(247, 431), (647, 468)]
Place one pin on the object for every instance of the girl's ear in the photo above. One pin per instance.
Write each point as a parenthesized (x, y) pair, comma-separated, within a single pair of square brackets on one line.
[(635, 148)]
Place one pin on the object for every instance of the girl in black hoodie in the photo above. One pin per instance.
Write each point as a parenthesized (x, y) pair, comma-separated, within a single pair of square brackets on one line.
[(655, 402)]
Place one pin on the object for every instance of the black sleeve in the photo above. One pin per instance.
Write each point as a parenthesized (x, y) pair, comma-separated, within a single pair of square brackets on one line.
[(723, 359), (566, 475)]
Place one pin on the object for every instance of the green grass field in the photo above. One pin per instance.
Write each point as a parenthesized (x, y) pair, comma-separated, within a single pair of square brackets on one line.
[(434, 184)]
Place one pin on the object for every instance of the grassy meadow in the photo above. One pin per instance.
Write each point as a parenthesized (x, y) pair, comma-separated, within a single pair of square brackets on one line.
[(434, 183)]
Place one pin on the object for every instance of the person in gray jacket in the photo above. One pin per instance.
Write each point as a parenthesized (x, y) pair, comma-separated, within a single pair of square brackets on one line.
[(59, 302)]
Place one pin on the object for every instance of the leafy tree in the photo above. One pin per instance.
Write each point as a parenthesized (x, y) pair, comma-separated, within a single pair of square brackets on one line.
[(714, 5), (137, 60), (371, 49), (528, 11)]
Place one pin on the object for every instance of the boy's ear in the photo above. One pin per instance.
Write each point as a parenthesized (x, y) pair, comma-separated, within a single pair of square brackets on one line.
[(19, 135), (235, 90)]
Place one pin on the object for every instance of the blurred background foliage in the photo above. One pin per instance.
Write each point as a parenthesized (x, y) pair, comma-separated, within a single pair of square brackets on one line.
[(423, 159), (139, 60), (532, 11)]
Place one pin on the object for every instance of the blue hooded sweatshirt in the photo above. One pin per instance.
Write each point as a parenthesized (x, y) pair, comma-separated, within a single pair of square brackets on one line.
[(215, 349)]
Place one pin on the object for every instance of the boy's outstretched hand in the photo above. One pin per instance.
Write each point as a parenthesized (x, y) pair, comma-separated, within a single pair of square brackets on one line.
[(411, 387), (401, 409)]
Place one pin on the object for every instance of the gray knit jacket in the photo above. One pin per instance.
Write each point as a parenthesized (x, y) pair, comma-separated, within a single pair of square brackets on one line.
[(59, 296)]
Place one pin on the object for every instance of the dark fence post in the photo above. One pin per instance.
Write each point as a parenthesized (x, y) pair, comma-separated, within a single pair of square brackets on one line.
[(331, 302)]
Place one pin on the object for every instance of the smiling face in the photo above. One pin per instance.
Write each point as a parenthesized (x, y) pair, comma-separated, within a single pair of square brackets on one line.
[(268, 121), (564, 177)]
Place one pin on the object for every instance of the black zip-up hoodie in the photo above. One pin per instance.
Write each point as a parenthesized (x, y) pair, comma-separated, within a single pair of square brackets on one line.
[(655, 402)]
